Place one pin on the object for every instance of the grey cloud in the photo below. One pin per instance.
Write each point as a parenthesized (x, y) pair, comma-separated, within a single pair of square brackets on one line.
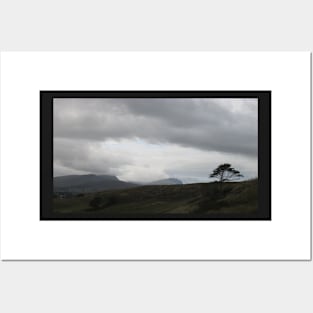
[(226, 125), (83, 157)]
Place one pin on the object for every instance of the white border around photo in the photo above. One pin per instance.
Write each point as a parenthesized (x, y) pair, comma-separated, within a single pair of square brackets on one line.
[(285, 237)]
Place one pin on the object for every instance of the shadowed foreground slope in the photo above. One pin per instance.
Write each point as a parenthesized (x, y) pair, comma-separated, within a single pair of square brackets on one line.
[(203, 198)]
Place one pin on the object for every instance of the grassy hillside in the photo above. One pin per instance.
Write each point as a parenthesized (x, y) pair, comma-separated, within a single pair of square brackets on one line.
[(204, 198)]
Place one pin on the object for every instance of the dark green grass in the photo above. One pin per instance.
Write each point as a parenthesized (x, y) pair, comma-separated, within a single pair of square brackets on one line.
[(234, 197)]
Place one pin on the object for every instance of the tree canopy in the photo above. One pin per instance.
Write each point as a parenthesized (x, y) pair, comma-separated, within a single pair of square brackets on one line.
[(225, 173)]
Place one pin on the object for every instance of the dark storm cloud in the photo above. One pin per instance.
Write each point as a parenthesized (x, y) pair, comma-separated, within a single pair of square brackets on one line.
[(224, 125)]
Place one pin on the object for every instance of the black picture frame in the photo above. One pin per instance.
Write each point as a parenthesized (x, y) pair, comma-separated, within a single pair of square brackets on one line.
[(264, 152)]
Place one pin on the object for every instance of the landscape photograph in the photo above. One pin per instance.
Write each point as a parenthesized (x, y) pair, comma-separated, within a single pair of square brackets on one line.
[(155, 158)]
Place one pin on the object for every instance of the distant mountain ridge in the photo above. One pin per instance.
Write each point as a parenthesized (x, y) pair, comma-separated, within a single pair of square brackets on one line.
[(94, 183), (88, 183), (167, 181)]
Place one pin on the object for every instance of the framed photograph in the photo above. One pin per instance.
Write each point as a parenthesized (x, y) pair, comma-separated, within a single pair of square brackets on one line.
[(155, 155), (191, 156)]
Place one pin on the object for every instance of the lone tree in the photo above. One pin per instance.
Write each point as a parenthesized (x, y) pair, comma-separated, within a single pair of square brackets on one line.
[(225, 172)]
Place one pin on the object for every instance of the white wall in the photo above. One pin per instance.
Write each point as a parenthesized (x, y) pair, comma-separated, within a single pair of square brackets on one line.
[(156, 287)]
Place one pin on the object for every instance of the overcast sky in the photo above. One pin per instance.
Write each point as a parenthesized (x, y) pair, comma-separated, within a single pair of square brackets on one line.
[(143, 140)]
